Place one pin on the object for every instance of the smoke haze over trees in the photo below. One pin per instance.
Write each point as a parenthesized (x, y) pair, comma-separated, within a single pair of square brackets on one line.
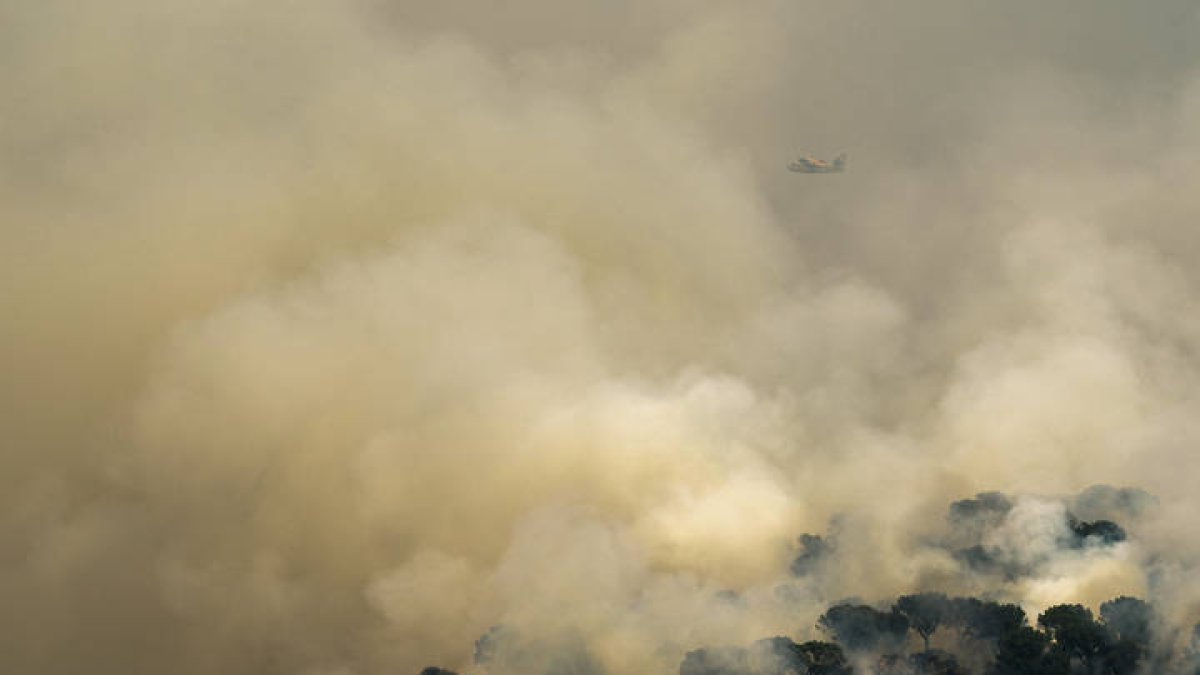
[(921, 633), (335, 334)]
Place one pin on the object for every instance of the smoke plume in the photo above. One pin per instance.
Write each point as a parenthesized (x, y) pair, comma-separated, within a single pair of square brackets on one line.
[(355, 338)]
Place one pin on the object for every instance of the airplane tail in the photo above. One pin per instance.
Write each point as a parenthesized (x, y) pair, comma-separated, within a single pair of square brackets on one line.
[(839, 162)]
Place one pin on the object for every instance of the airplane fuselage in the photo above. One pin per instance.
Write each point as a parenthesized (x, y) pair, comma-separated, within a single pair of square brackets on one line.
[(813, 165)]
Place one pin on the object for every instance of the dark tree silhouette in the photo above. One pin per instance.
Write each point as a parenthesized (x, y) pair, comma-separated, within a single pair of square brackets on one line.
[(924, 611), (860, 628), (985, 620), (813, 550), (984, 505), (935, 662), (978, 559), (823, 658), (772, 656), (1106, 501), (715, 661), (1103, 531), (1128, 619), (775, 656), (1074, 632), (1066, 641), (1122, 657), (1026, 651)]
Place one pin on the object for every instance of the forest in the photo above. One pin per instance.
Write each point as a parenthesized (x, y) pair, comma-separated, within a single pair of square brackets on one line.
[(931, 632)]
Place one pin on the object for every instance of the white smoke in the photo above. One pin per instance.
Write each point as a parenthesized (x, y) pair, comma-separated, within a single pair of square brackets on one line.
[(334, 336)]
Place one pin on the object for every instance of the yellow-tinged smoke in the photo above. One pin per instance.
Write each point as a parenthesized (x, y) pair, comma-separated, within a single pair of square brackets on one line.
[(334, 335)]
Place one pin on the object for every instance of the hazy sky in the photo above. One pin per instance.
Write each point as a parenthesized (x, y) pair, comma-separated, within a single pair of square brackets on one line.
[(334, 334)]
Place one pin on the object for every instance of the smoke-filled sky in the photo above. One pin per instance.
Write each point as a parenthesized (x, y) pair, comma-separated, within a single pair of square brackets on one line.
[(334, 334)]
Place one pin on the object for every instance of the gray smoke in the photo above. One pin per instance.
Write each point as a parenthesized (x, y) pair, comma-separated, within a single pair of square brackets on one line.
[(335, 334)]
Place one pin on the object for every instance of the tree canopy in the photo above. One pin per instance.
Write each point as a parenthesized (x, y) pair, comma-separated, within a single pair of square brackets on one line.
[(864, 628), (924, 611)]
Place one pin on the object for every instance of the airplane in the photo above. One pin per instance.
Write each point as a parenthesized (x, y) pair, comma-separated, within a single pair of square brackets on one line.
[(807, 164)]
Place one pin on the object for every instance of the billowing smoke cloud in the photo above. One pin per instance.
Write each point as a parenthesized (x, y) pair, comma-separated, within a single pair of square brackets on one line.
[(340, 336)]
